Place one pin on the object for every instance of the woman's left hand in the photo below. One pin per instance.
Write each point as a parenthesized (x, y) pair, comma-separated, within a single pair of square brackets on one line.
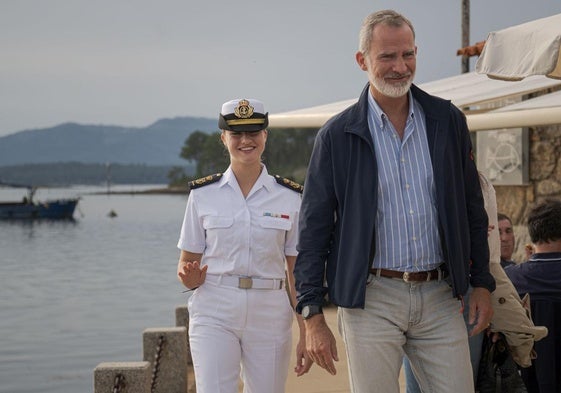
[(303, 360)]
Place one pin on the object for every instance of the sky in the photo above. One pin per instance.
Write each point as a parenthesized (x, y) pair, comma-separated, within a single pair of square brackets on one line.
[(133, 62)]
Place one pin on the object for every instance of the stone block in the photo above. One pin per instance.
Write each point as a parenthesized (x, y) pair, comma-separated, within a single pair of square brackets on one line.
[(123, 377), (166, 350)]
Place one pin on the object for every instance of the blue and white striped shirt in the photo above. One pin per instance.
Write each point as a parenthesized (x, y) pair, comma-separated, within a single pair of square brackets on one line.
[(407, 237)]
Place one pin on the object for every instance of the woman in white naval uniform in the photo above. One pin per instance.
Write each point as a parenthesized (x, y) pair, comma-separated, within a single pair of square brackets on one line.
[(238, 243)]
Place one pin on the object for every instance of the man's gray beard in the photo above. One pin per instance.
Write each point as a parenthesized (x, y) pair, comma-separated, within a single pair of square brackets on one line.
[(391, 90)]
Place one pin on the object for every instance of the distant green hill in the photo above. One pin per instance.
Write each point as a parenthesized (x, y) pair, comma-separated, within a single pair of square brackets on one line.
[(156, 145)]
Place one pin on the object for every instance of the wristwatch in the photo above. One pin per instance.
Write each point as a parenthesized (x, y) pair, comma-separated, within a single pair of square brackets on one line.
[(310, 310)]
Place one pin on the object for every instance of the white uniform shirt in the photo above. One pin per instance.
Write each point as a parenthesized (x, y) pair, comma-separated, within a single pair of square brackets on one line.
[(242, 236)]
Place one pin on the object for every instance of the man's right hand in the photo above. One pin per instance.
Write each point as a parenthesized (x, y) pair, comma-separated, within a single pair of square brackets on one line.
[(320, 343)]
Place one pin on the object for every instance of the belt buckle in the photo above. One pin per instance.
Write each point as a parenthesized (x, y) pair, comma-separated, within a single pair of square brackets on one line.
[(406, 276), (245, 283)]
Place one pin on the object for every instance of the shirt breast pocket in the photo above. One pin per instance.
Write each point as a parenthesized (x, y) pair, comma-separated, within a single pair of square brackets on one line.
[(217, 222), (219, 229), (271, 236), (275, 223)]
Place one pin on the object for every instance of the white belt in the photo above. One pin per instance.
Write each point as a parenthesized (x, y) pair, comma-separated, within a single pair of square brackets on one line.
[(245, 282)]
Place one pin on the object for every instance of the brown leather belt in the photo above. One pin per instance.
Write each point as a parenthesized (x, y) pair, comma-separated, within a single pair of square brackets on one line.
[(436, 274)]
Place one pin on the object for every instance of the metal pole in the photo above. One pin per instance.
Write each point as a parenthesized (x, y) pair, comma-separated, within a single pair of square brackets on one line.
[(465, 34), (108, 176)]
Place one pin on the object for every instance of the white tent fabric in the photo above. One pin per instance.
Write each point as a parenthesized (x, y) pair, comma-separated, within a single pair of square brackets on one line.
[(551, 100), (540, 111), (313, 117), (465, 90), (474, 89), (532, 48)]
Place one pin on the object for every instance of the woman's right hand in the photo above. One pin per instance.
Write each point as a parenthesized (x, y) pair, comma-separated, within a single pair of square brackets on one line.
[(191, 274)]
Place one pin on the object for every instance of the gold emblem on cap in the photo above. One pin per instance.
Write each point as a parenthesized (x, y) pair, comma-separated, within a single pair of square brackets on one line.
[(243, 110)]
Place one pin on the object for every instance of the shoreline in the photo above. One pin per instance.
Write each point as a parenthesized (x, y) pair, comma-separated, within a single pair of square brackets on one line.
[(163, 190)]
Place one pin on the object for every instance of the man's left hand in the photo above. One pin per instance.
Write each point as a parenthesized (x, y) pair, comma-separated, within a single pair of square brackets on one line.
[(480, 310)]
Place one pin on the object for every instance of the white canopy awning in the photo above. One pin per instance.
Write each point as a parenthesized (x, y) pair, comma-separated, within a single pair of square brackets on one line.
[(465, 91), (540, 111), (551, 100), (532, 48), (313, 117), (471, 89)]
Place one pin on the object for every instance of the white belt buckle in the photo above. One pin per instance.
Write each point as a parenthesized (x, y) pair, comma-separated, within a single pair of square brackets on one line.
[(245, 282), (406, 276)]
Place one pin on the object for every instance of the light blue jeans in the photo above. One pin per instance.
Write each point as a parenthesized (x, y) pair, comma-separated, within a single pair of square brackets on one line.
[(475, 347), (420, 320)]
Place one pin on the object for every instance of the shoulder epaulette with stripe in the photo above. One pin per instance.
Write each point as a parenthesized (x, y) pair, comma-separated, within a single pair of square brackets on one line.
[(283, 181), (204, 181)]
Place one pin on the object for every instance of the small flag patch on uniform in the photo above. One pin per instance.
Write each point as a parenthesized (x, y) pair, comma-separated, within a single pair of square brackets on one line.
[(277, 215)]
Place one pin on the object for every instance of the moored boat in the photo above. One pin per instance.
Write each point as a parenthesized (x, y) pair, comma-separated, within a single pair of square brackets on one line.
[(57, 209)]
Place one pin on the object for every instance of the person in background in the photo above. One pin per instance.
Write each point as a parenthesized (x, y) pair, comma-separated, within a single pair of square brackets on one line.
[(540, 278), (238, 243), (393, 216), (506, 233), (510, 316)]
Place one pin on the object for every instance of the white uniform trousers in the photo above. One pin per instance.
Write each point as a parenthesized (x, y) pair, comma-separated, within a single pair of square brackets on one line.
[(234, 330)]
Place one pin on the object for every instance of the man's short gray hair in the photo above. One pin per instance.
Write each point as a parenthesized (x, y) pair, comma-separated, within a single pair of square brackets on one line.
[(387, 17)]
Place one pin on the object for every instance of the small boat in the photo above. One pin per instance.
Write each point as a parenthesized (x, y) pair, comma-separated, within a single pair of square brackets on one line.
[(27, 208)]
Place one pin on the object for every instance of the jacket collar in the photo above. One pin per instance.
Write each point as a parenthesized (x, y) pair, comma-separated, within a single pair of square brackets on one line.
[(358, 116), (435, 109)]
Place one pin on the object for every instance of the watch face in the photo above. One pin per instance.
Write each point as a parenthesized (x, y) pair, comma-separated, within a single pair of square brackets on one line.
[(310, 311)]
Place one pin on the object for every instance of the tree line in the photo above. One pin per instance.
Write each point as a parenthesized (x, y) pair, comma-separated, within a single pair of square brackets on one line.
[(287, 153)]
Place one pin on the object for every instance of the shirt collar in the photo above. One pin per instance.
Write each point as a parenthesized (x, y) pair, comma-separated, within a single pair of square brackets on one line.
[(264, 180), (545, 256), (228, 177), (378, 114)]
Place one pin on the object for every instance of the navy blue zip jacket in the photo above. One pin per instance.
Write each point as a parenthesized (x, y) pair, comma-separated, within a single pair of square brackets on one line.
[(339, 203)]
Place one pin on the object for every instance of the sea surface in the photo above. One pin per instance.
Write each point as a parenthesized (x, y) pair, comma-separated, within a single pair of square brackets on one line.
[(74, 294)]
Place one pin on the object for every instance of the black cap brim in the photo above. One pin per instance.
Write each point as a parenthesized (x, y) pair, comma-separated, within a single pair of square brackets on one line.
[(255, 123)]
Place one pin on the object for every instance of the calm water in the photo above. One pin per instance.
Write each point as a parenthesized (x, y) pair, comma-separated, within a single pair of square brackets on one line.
[(75, 294)]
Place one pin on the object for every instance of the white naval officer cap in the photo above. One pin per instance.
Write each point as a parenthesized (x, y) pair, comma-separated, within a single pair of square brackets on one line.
[(243, 115)]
